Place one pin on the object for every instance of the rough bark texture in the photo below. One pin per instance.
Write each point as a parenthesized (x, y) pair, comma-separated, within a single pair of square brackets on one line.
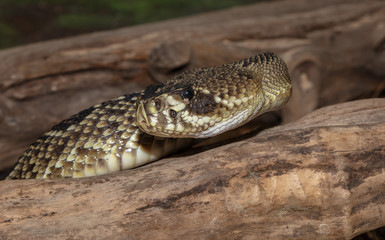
[(335, 51), (319, 177)]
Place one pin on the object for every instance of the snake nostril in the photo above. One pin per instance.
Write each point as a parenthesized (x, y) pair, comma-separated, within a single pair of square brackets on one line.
[(158, 104)]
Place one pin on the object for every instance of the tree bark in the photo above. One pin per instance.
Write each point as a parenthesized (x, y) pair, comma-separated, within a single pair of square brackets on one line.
[(318, 177), (322, 177), (335, 50)]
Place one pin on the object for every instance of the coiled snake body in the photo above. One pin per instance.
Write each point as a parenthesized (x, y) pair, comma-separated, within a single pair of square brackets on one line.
[(142, 127)]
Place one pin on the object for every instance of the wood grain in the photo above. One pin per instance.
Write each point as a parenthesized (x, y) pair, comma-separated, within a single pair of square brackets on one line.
[(309, 179), (334, 49)]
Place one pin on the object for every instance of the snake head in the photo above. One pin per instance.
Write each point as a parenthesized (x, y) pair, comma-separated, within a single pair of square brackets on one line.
[(208, 101), (204, 104)]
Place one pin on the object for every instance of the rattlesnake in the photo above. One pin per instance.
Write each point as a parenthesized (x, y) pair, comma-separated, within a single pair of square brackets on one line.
[(138, 128)]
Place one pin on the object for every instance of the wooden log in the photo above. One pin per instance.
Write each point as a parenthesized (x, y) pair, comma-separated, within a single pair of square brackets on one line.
[(321, 177), (334, 49)]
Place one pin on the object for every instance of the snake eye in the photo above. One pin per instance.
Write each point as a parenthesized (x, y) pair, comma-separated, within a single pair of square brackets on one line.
[(173, 113), (187, 93)]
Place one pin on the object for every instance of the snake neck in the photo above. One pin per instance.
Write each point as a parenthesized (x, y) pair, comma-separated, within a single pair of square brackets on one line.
[(276, 83)]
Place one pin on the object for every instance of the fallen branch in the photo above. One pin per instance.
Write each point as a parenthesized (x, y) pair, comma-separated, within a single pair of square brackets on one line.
[(321, 41), (320, 177)]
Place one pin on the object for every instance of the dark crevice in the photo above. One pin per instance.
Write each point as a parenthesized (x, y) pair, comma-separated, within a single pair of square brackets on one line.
[(53, 75), (213, 186)]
